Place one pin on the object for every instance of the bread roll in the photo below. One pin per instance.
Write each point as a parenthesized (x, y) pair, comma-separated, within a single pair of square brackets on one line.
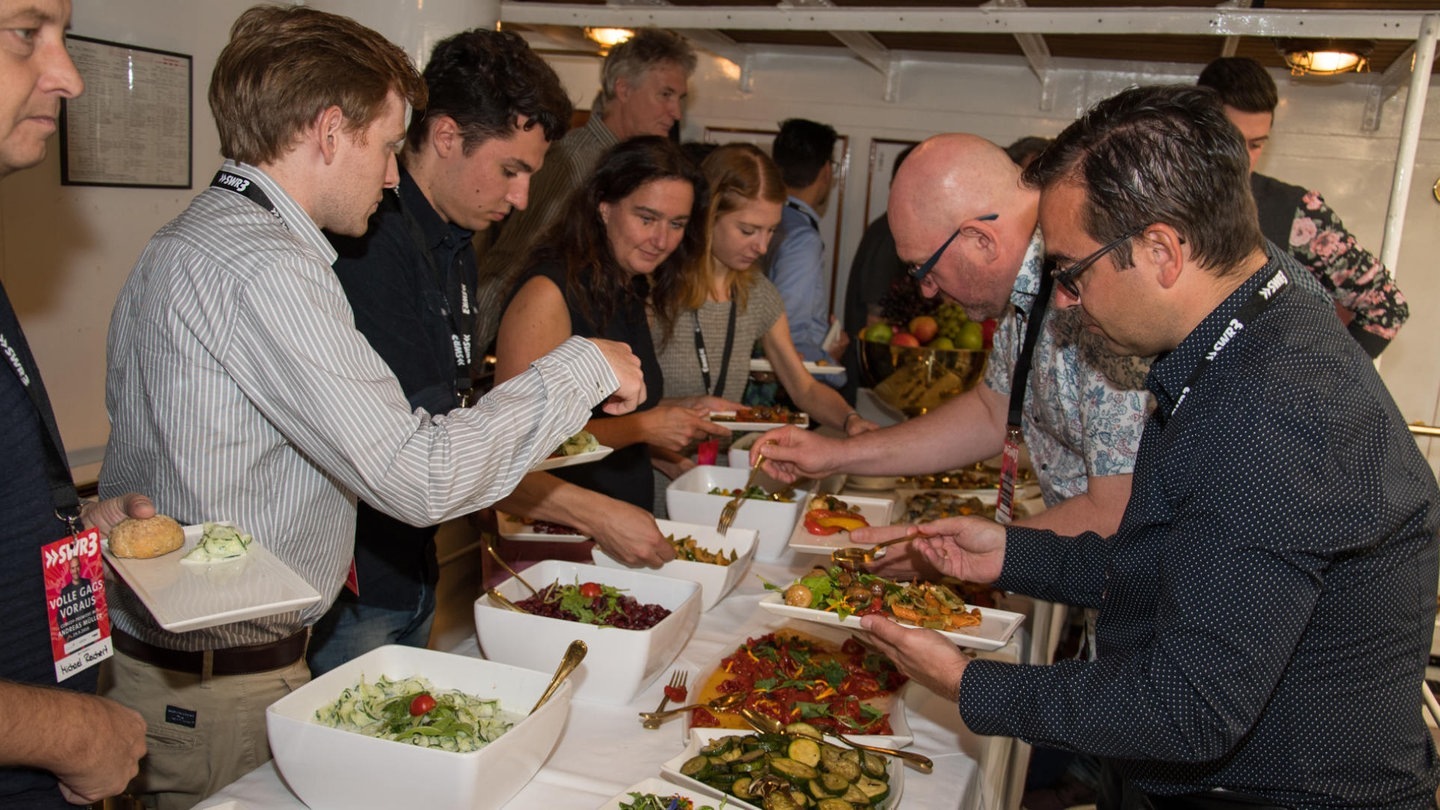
[(146, 538)]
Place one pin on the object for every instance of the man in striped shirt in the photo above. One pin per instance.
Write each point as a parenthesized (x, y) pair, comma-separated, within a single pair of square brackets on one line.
[(240, 390)]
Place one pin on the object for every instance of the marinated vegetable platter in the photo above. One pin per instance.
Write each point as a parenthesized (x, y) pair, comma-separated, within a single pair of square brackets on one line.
[(792, 676), (791, 770)]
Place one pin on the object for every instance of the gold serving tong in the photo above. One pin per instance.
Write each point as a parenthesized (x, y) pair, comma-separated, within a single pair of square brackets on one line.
[(769, 725)]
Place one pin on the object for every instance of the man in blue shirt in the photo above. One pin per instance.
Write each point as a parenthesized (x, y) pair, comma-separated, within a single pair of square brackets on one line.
[(60, 745), (803, 151), (1265, 607)]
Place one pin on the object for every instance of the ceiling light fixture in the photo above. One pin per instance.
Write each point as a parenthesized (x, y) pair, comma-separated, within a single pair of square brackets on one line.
[(608, 38), (1325, 57)]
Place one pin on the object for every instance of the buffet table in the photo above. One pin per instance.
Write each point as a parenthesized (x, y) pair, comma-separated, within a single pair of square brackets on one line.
[(604, 749)]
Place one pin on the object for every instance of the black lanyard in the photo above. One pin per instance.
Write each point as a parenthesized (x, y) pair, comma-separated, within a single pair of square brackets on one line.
[(1021, 379), (462, 332), (1259, 300), (245, 187), (57, 468), (705, 359), (794, 206)]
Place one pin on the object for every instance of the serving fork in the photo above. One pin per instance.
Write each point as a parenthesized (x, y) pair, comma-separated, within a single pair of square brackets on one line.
[(769, 725), (677, 681), (856, 556), (727, 515), (724, 703)]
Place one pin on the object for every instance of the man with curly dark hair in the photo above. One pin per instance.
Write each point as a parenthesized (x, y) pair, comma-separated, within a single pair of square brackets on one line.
[(644, 82), (494, 109)]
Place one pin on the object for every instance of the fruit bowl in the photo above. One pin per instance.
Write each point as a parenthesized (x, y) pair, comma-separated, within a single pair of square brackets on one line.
[(914, 379)]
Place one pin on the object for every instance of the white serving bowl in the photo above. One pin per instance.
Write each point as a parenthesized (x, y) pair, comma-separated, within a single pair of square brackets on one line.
[(688, 499), (715, 580), (620, 663), (330, 768)]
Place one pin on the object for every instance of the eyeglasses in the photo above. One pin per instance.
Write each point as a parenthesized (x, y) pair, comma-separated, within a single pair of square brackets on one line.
[(920, 271), (1066, 277)]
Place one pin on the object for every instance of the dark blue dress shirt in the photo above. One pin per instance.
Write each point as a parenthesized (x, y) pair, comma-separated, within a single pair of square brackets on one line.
[(1267, 602)]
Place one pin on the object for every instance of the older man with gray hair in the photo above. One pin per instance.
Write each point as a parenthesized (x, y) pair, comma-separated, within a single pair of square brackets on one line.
[(644, 82)]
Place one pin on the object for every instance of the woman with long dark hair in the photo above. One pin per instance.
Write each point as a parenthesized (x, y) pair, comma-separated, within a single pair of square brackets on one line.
[(610, 266)]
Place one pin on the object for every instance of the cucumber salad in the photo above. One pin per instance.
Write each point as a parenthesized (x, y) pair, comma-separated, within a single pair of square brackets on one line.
[(411, 710)]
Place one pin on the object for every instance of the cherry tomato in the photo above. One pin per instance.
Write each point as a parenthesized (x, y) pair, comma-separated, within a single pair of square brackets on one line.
[(422, 704), (676, 694), (591, 590)]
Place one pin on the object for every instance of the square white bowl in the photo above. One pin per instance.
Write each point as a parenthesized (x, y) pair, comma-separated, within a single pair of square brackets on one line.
[(332, 768), (715, 580), (688, 499), (620, 663)]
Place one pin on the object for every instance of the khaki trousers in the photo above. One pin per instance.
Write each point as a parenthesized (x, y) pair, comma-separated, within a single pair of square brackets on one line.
[(185, 764)]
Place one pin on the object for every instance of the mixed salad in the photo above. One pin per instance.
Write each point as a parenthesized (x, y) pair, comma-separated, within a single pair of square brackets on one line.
[(846, 592), (650, 801), (411, 710), (594, 603)]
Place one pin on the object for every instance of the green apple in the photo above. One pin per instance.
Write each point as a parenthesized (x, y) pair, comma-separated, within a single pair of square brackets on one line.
[(879, 332), (941, 342), (972, 336)]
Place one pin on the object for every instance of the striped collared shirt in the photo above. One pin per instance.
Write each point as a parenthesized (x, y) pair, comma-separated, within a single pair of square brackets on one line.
[(239, 390)]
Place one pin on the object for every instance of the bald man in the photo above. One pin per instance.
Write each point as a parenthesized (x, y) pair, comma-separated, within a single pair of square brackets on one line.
[(969, 231)]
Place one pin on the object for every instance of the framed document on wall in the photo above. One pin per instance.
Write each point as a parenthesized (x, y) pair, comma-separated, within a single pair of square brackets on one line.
[(132, 125)]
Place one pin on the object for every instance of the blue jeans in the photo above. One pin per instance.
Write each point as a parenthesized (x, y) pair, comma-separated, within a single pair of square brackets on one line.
[(351, 629)]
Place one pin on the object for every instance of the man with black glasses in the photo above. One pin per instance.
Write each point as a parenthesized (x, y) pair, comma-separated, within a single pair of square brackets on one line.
[(1266, 604), (969, 229)]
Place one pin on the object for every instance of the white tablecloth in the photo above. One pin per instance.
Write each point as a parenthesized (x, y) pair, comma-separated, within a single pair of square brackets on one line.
[(604, 749)]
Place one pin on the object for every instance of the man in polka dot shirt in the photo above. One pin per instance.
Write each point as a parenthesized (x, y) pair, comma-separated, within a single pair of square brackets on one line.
[(1266, 603)]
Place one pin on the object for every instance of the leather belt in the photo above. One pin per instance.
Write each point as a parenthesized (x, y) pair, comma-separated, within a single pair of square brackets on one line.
[(227, 661)]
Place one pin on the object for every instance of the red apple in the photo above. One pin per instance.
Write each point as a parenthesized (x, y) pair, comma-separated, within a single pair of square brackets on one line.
[(904, 339), (924, 328), (989, 325)]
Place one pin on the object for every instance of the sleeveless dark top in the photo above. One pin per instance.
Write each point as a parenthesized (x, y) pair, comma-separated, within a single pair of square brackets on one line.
[(625, 473)]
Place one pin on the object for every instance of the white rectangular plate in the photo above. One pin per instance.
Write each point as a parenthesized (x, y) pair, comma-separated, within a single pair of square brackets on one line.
[(662, 789), (995, 628), (191, 597), (761, 364), (699, 737), (878, 511), (726, 419), (513, 528), (570, 461)]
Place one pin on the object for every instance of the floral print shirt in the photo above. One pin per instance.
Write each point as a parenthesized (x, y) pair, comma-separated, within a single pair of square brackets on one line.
[(1085, 407), (1362, 288)]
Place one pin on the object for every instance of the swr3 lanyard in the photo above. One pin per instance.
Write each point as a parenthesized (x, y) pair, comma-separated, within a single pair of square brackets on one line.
[(724, 358), (1010, 460), (245, 187), (1259, 300)]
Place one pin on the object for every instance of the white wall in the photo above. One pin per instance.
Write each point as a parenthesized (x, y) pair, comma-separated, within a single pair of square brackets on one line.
[(65, 251)]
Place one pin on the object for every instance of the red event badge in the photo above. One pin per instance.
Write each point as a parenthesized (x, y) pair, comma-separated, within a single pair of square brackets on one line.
[(75, 602)]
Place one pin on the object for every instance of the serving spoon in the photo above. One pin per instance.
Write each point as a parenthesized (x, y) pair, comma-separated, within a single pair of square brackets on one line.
[(770, 725), (574, 654), (490, 547), (856, 556)]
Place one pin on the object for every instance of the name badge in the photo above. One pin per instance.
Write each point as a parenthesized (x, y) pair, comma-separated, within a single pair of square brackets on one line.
[(75, 603), (1009, 471)]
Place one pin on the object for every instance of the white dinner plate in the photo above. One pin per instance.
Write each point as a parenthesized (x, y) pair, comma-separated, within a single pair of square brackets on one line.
[(878, 511), (662, 789), (570, 461), (727, 419), (699, 737), (819, 370), (192, 597), (514, 528), (995, 628)]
